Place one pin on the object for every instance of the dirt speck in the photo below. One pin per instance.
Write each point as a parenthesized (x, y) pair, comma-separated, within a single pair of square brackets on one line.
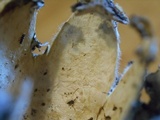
[(43, 104), (16, 66), (71, 102), (35, 90), (114, 108), (90, 118), (33, 112), (48, 90), (107, 118), (45, 73)]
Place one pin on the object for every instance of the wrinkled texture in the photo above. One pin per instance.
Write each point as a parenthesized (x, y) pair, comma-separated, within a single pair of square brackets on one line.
[(77, 70)]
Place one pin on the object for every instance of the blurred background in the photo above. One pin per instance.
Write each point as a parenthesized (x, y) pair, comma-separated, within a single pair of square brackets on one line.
[(56, 12)]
